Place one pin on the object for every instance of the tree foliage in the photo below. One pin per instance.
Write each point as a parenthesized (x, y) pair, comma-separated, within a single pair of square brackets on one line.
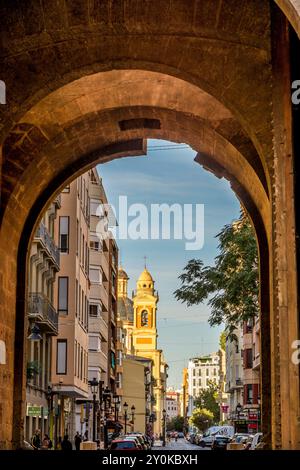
[(201, 418), (231, 286), (207, 399), (176, 424)]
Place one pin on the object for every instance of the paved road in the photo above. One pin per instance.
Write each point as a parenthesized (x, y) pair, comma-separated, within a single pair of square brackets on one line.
[(181, 444)]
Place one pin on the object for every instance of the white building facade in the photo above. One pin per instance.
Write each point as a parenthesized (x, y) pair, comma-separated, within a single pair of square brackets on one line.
[(201, 371)]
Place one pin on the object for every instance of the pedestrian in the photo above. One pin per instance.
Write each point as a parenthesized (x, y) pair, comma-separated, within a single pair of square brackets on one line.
[(66, 444), (36, 440), (58, 445), (77, 440), (47, 443)]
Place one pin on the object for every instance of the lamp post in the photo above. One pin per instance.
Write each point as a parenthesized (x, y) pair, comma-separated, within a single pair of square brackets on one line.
[(101, 383), (132, 416), (125, 406), (238, 409), (50, 395), (164, 413), (35, 334), (107, 400), (116, 402), (94, 384)]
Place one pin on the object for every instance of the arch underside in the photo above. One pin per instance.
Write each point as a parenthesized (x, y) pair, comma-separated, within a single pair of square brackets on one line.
[(67, 131)]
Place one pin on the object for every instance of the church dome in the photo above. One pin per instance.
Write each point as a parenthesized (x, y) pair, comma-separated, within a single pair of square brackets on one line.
[(145, 276)]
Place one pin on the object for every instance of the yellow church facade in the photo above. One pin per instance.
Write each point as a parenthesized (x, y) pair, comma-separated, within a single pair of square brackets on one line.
[(142, 337)]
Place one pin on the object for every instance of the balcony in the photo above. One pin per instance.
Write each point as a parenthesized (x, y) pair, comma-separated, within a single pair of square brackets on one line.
[(44, 237), (239, 382), (42, 311), (256, 362)]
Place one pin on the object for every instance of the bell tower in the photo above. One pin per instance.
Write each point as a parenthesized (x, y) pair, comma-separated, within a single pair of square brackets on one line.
[(145, 301)]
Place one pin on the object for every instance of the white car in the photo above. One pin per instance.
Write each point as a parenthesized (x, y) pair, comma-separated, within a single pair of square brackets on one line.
[(256, 440)]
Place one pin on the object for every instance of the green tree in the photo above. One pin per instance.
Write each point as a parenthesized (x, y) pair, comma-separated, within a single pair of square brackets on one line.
[(222, 341), (231, 286), (201, 418), (207, 399), (176, 424)]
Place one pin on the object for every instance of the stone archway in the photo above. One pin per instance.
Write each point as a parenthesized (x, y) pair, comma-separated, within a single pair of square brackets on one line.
[(206, 80)]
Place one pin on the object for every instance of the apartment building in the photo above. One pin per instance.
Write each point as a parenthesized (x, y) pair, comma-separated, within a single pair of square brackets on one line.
[(201, 371), (72, 290), (102, 300), (44, 263), (243, 376), (172, 403), (234, 372)]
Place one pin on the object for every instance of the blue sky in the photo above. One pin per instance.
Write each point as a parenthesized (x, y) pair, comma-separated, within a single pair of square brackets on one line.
[(172, 176)]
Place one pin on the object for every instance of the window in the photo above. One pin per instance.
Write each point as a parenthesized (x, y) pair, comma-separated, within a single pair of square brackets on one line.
[(194, 372), (75, 359), (94, 343), (83, 251), (86, 258), (95, 275), (215, 371), (64, 234), (96, 243), (96, 207), (199, 382), (207, 372), (144, 318), (61, 357), (94, 310), (76, 298), (77, 237), (63, 287), (248, 362)]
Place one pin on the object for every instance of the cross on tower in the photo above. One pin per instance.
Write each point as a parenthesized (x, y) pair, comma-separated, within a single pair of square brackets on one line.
[(145, 258)]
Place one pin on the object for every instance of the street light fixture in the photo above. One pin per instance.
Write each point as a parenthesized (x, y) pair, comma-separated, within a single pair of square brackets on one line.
[(125, 406), (132, 416), (238, 409), (164, 413), (94, 384), (116, 402), (107, 401), (35, 334)]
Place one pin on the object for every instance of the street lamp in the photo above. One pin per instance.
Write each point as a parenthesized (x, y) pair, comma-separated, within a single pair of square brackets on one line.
[(116, 402), (107, 400), (35, 334), (125, 406), (164, 427), (94, 384), (238, 409), (132, 416)]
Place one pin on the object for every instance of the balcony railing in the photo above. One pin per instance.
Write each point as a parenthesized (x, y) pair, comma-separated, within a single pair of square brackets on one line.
[(43, 234), (41, 309), (57, 201)]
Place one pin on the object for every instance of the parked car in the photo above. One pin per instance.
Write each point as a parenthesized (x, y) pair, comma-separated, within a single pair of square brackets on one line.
[(180, 435), (138, 441), (140, 438), (220, 442), (125, 445), (256, 441), (207, 438)]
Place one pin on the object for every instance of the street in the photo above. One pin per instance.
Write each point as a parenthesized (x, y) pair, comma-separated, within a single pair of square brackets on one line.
[(181, 444)]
